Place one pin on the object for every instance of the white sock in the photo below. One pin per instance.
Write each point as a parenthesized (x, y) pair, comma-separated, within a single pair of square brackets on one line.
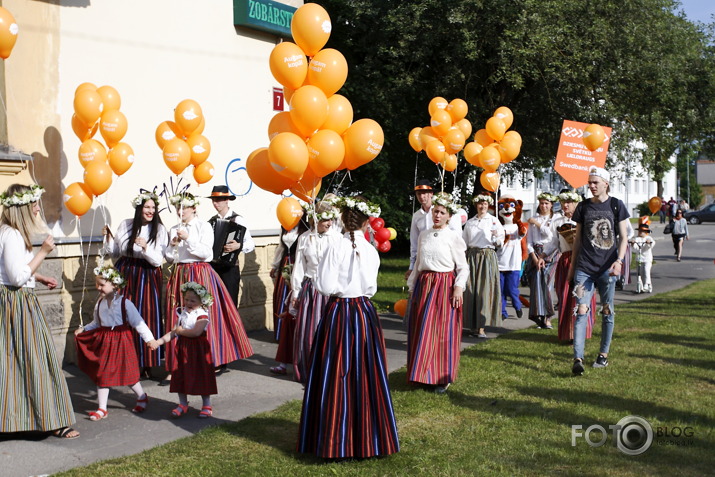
[(102, 397)]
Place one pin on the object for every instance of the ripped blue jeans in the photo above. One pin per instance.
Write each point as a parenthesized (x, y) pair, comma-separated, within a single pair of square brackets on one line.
[(584, 287)]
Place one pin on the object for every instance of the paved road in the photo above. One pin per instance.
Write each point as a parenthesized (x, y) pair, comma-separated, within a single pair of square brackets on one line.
[(248, 388)]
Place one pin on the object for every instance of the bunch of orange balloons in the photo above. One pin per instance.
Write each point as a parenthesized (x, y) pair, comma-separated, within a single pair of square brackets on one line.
[(183, 144), (447, 133), (97, 109), (492, 146), (317, 136), (8, 33)]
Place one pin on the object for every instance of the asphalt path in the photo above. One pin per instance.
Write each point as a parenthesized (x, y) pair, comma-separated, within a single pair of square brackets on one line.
[(248, 388)]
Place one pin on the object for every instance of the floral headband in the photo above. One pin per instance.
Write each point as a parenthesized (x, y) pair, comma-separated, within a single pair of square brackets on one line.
[(547, 196), (569, 196), (330, 214), (184, 200), (144, 196), (201, 292), (483, 198), (365, 207), (112, 275), (27, 197), (445, 200)]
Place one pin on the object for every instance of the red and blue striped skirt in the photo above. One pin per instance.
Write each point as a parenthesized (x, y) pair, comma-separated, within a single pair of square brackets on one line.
[(347, 407), (144, 290), (434, 330), (311, 305), (567, 302), (33, 390), (281, 294), (108, 356), (225, 331), (193, 371)]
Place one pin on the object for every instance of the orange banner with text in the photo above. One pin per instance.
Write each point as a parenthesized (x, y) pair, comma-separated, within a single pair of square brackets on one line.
[(573, 159)]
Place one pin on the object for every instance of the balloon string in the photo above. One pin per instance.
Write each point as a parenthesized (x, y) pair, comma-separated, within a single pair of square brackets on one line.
[(86, 263), (414, 202)]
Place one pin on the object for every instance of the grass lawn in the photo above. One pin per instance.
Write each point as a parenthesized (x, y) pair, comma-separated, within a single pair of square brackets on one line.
[(510, 412)]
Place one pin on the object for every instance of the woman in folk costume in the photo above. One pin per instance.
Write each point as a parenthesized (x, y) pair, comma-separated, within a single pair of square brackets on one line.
[(483, 235), (543, 256), (138, 250), (306, 300), (190, 249), (34, 394), (347, 408), (564, 229), (436, 284)]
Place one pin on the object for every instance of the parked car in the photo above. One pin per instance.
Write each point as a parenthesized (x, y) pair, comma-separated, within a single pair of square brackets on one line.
[(705, 214)]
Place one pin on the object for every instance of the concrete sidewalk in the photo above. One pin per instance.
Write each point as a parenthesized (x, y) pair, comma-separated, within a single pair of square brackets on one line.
[(248, 388)]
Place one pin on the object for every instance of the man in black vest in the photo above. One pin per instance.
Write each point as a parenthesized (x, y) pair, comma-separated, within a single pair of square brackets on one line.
[(231, 236)]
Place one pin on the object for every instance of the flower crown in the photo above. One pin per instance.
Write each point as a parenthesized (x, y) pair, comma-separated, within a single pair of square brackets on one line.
[(445, 200), (144, 196), (570, 196), (112, 275), (184, 200), (547, 196), (201, 292), (483, 198), (365, 207), (330, 214), (27, 197)]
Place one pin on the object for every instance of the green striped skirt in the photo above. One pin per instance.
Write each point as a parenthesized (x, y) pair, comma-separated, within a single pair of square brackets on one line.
[(482, 298), (33, 390)]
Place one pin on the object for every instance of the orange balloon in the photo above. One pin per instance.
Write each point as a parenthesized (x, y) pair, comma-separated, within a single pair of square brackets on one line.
[(449, 162), (427, 135), (110, 97), (98, 177), (85, 86), (77, 198), (495, 128), (457, 108), (435, 151), (188, 116), (438, 103), (121, 158), (509, 148), (363, 142), (414, 138), (200, 128), (8, 33), (400, 307), (288, 93), (308, 187), (91, 150), (328, 70), (166, 131), (593, 136), (81, 130), (454, 141), (513, 136), (203, 172), (263, 175), (200, 149), (654, 204), (308, 109), (113, 127), (489, 180), (326, 151), (289, 212), (288, 155), (281, 122), (440, 122), (471, 153), (340, 114), (465, 126), (288, 64), (490, 158), (177, 155), (505, 115), (311, 28), (483, 138), (88, 106)]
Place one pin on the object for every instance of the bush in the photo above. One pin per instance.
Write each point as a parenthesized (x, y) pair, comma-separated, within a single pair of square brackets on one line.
[(643, 209)]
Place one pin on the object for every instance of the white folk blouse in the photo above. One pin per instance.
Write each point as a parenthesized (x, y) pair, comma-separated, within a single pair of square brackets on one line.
[(198, 247), (14, 266), (111, 316), (117, 246), (348, 272), (309, 252), (477, 232), (441, 250)]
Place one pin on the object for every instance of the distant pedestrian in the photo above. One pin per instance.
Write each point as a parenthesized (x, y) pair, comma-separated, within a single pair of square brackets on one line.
[(663, 212), (680, 233)]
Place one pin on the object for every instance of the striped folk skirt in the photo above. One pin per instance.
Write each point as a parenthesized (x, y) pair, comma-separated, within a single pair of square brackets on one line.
[(193, 371), (542, 283), (626, 267), (482, 297), (311, 305), (225, 331), (108, 356), (567, 302), (434, 334), (33, 392), (281, 297), (144, 290), (347, 407)]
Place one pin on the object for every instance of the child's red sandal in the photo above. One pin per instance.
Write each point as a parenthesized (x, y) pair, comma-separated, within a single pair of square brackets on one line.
[(97, 415), (179, 410), (141, 404), (206, 412)]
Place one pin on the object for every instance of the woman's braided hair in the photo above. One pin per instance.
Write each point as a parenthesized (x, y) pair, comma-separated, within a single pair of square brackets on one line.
[(353, 220)]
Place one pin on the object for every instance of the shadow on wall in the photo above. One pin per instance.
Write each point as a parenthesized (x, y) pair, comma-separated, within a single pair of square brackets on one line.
[(49, 170)]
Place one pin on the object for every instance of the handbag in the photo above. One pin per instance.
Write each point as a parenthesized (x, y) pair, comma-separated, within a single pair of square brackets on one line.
[(668, 228)]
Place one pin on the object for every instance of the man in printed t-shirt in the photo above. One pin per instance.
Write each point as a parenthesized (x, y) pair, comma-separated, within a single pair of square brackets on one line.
[(598, 253)]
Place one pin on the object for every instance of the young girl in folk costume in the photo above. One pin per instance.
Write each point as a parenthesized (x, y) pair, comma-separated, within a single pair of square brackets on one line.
[(34, 394), (190, 249), (138, 252), (105, 347), (543, 255), (193, 369), (347, 408)]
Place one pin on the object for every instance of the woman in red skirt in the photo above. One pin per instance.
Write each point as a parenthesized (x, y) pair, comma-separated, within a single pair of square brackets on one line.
[(105, 347), (193, 369), (435, 313)]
